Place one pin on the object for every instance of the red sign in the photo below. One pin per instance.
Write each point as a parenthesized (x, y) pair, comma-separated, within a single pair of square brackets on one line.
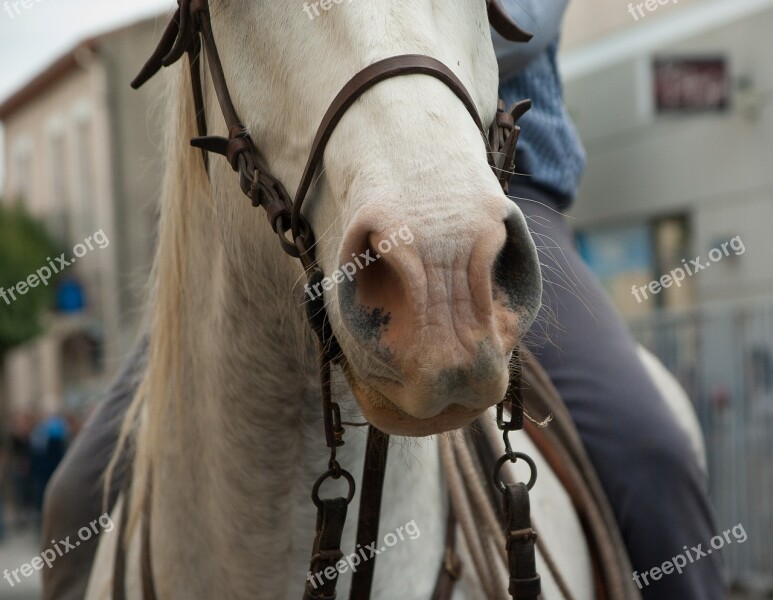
[(691, 84)]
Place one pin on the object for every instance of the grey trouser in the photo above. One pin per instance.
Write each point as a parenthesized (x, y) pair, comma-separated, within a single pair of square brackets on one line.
[(643, 458), (74, 495)]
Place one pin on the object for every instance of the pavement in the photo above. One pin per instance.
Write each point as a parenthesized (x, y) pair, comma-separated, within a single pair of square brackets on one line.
[(17, 549)]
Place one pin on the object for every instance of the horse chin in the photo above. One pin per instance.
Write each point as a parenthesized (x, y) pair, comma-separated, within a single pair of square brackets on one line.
[(386, 416)]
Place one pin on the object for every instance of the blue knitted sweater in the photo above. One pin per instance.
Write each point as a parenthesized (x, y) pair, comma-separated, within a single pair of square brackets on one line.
[(550, 154)]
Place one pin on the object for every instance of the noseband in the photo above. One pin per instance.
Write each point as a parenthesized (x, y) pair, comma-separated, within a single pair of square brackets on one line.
[(190, 31)]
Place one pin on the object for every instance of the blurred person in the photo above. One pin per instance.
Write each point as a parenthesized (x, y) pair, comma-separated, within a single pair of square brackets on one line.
[(3, 479), (48, 442), (644, 460), (74, 495), (19, 467), (74, 424)]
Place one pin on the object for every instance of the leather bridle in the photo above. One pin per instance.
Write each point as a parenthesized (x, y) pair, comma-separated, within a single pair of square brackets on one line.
[(190, 31)]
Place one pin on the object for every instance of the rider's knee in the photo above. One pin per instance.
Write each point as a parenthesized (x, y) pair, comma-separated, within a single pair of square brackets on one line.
[(650, 452), (664, 463), (672, 457)]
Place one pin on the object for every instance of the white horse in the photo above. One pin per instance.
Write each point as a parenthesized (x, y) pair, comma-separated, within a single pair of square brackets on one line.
[(227, 420)]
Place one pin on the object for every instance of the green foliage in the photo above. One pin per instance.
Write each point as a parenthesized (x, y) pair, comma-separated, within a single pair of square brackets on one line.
[(25, 247)]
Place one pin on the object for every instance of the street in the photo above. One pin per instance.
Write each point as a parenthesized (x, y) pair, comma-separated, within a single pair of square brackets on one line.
[(16, 550)]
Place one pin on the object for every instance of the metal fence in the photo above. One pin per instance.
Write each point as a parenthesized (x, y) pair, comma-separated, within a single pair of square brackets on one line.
[(724, 359)]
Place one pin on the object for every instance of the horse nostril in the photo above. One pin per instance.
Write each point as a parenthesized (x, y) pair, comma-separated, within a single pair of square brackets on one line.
[(516, 269), (377, 278), (373, 294)]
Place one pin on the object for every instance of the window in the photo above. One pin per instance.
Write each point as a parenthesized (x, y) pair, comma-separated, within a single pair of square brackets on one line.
[(630, 256), (83, 202), (21, 178), (57, 205)]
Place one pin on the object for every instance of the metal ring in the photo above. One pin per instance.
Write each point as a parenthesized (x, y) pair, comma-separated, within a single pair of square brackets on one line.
[(332, 474), (513, 458)]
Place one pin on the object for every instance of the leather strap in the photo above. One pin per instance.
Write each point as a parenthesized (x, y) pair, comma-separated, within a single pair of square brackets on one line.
[(194, 55), (370, 76), (451, 567), (323, 576), (521, 538), (370, 509)]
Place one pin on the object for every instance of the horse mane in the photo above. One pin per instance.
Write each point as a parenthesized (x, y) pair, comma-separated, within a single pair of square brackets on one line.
[(184, 191)]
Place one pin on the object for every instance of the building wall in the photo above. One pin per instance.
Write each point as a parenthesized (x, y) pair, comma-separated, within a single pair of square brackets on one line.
[(43, 139), (136, 132), (84, 155), (587, 20), (715, 168), (57, 163)]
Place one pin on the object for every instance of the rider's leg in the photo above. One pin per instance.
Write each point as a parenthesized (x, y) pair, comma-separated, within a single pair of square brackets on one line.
[(644, 460), (74, 494)]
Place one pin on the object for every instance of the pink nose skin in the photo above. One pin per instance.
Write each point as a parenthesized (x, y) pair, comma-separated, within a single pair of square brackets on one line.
[(435, 305)]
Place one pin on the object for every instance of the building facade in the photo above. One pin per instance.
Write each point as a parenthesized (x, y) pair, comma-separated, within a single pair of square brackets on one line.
[(675, 109), (668, 184), (81, 153)]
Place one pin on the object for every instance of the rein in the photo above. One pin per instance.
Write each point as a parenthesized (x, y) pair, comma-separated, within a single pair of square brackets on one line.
[(189, 32)]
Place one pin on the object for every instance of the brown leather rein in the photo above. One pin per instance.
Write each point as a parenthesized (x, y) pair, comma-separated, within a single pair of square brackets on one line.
[(190, 31)]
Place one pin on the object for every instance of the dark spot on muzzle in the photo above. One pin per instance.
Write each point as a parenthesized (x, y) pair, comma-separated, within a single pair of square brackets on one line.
[(367, 323), (484, 368)]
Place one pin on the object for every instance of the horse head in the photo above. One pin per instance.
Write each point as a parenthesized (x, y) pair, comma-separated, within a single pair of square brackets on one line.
[(432, 276)]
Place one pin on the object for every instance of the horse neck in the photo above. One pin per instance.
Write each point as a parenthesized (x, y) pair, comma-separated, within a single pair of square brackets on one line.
[(230, 431), (237, 446)]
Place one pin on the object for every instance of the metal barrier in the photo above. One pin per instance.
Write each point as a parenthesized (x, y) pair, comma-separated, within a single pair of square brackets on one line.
[(724, 359)]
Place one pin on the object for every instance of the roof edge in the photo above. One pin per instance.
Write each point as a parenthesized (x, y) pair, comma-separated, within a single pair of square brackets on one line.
[(647, 38), (61, 67)]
